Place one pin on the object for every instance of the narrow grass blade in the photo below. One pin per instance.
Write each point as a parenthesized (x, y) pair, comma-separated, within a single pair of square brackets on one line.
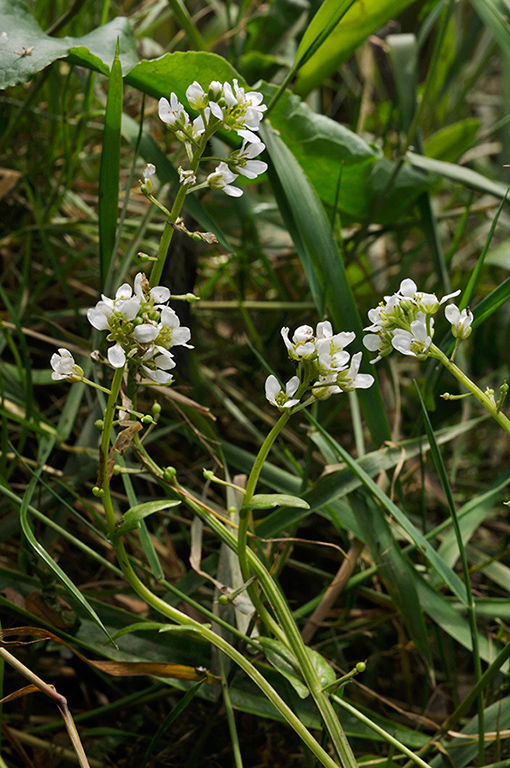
[(169, 719), (403, 50), (337, 484), (423, 545), (46, 558), (110, 169), (319, 254), (395, 571), (494, 14), (320, 28), (339, 31), (459, 174), (473, 280), (443, 478)]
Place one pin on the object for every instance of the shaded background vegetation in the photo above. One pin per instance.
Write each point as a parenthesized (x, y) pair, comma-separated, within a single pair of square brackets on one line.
[(363, 190)]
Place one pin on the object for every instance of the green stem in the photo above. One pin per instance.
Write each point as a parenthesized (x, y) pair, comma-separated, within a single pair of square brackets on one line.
[(207, 634), (172, 613), (482, 398), (292, 636), (168, 232), (377, 728), (109, 416)]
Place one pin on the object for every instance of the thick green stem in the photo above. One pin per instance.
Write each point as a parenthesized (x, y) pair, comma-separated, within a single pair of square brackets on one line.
[(487, 402), (168, 232)]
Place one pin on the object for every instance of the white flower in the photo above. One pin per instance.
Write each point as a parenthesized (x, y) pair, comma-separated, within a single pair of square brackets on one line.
[(302, 345), (242, 160), (171, 332), (156, 362), (345, 380), (159, 294), (186, 177), (251, 104), (332, 363), (145, 333), (196, 96), (148, 171), (117, 356), (352, 379), (221, 178), (277, 396), (414, 342), (173, 113), (460, 321), (64, 367), (329, 343), (124, 303), (426, 302), (325, 387)]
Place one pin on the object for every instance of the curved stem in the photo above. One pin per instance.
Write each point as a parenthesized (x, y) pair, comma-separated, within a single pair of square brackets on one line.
[(207, 634), (292, 636), (482, 398), (242, 531), (172, 613)]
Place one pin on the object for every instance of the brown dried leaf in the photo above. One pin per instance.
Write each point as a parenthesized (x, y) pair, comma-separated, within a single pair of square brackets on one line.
[(115, 668)]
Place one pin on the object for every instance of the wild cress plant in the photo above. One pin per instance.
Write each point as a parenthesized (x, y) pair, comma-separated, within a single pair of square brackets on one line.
[(143, 331)]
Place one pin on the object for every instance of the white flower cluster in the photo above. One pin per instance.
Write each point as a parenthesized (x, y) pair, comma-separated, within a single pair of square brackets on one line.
[(226, 107), (404, 322), (142, 328), (327, 369), (64, 367)]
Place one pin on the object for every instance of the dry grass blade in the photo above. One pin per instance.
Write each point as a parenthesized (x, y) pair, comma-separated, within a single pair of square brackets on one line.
[(61, 702), (114, 668)]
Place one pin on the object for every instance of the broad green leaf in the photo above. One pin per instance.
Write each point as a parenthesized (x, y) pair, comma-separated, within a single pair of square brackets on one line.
[(269, 500), (355, 22), (132, 518), (175, 71), (329, 152), (450, 142), (319, 253), (284, 661), (153, 626), (20, 31), (109, 170)]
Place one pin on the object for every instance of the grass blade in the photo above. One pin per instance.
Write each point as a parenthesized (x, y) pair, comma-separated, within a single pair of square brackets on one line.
[(110, 169)]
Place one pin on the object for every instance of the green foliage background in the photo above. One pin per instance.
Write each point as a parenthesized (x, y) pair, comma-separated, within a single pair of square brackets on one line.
[(387, 140)]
